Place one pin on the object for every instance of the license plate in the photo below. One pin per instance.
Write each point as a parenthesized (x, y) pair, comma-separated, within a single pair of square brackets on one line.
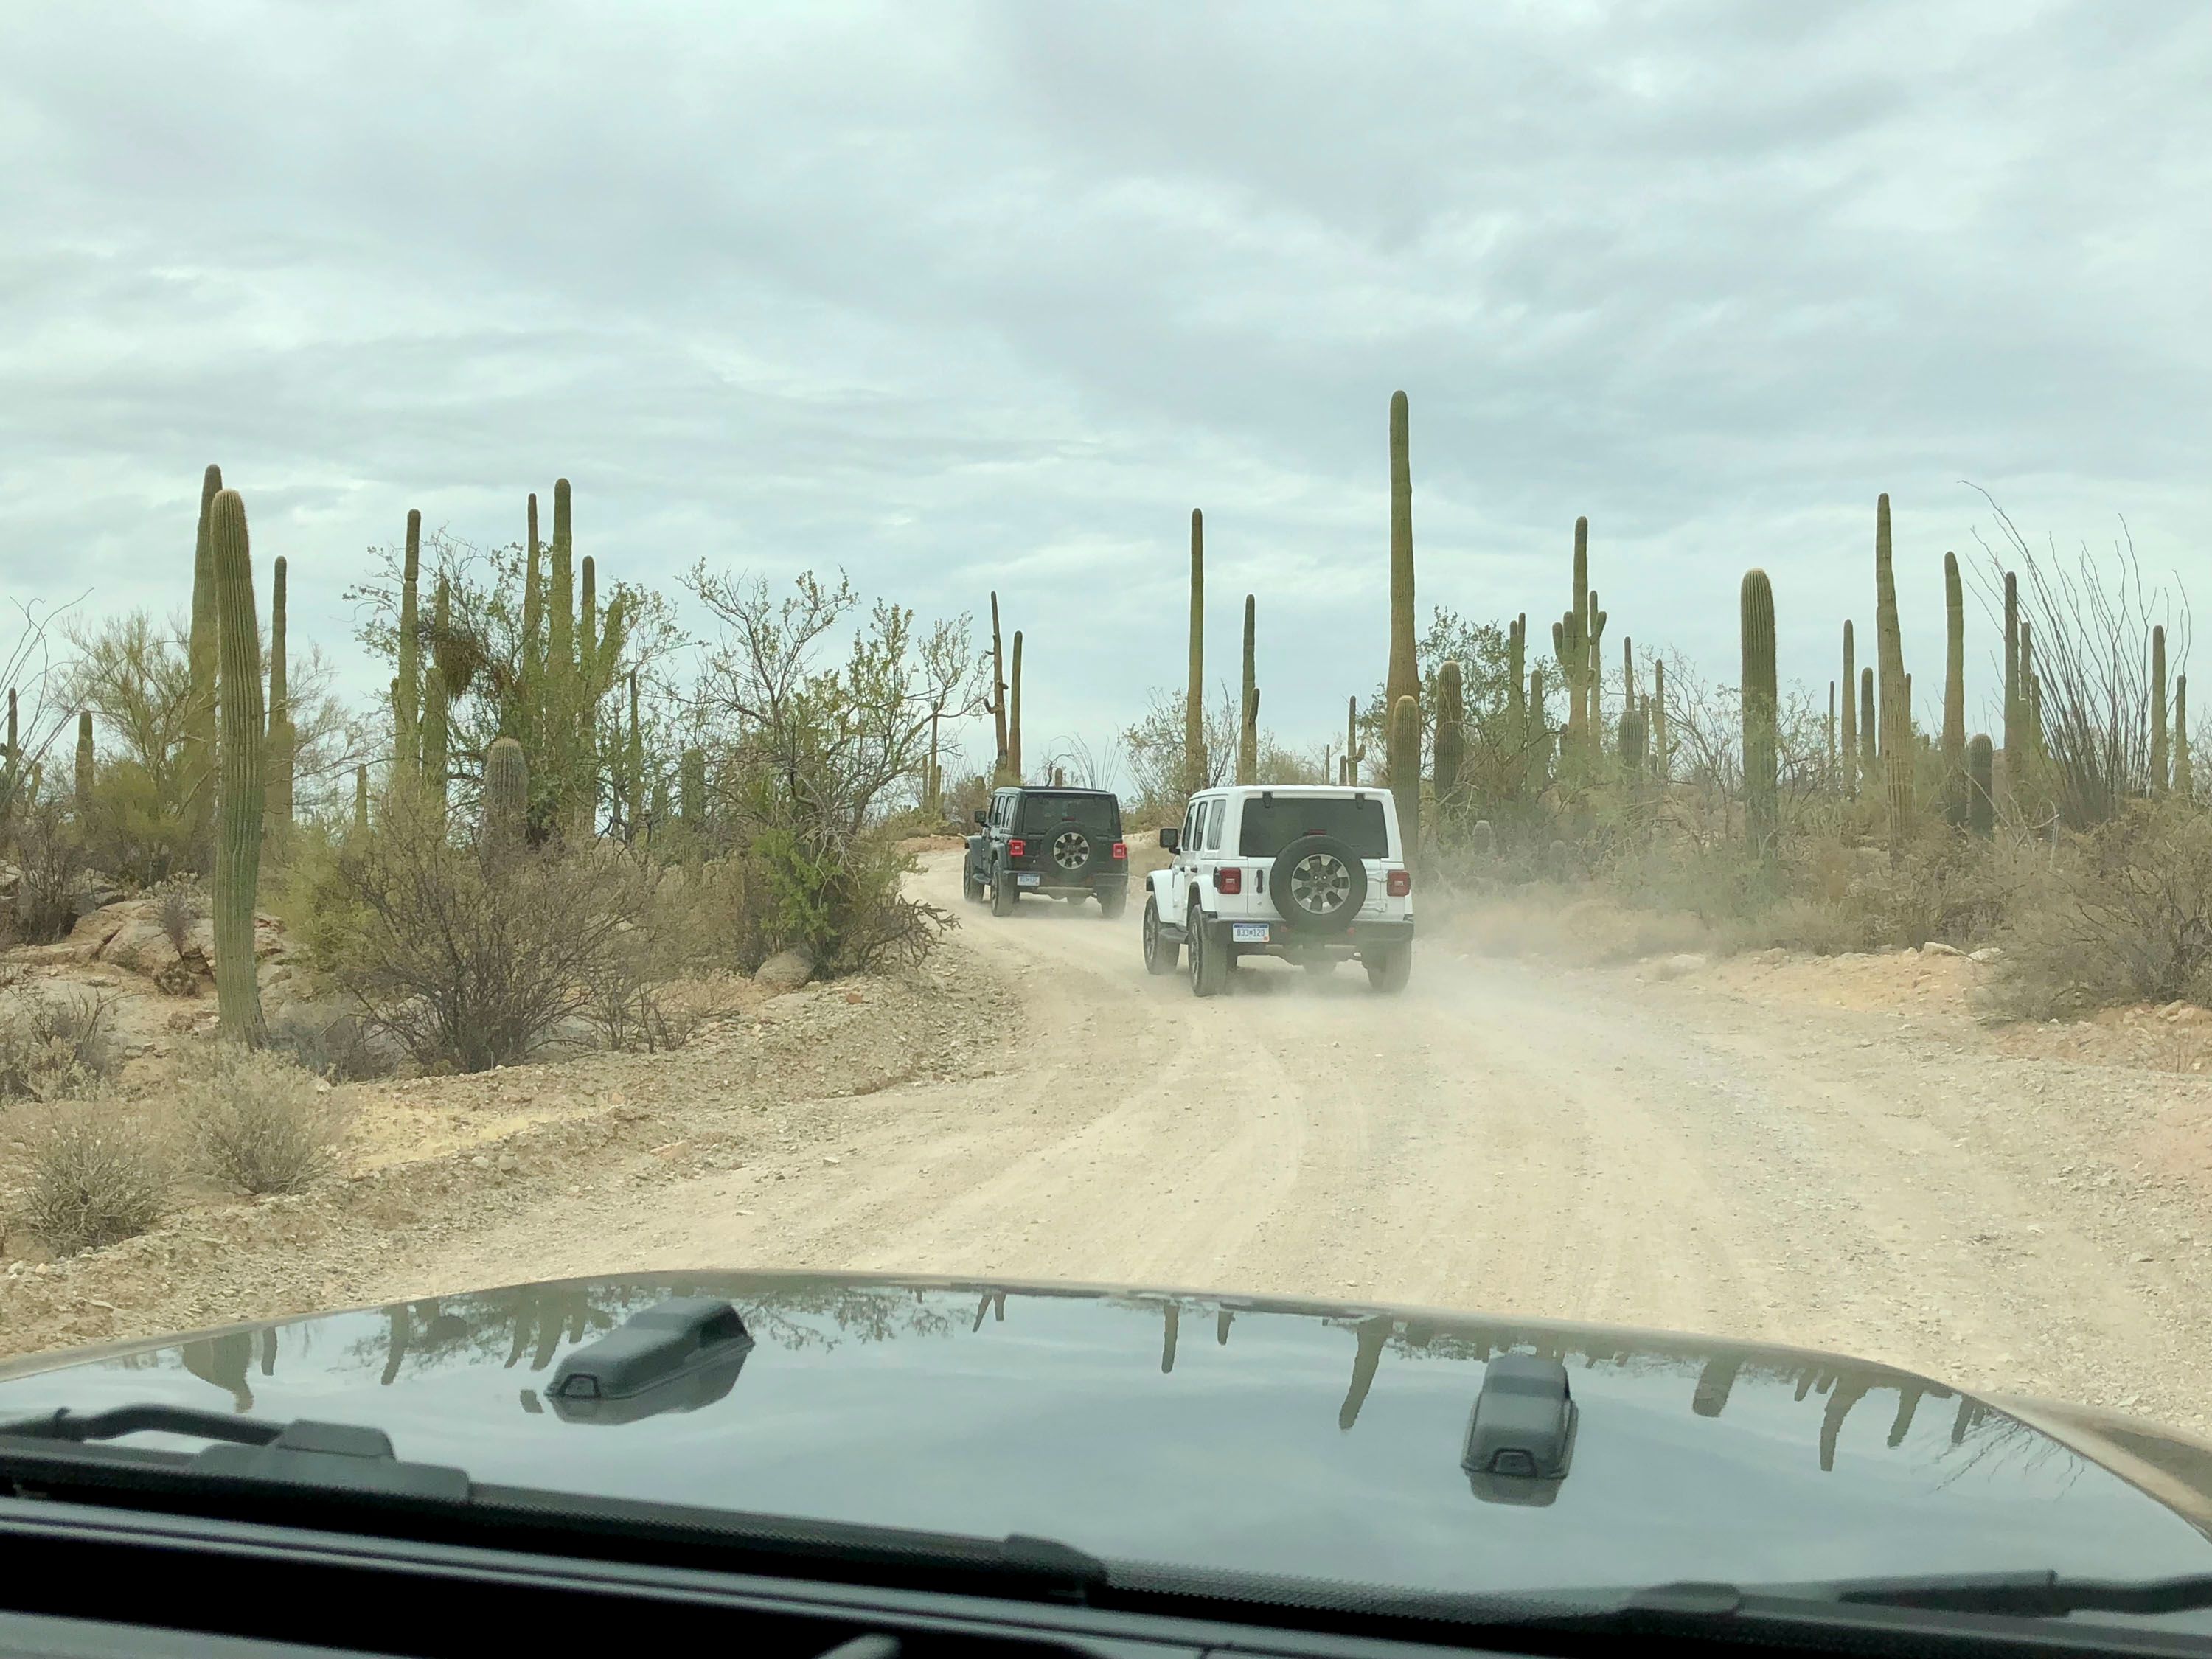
[(1248, 933), (1029, 881)]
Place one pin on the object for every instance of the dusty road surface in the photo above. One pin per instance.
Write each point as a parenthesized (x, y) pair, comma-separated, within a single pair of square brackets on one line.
[(1498, 1138)]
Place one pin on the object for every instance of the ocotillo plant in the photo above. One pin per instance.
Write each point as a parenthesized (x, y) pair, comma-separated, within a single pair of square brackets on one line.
[(84, 761), (1404, 753), (1756, 604), (1850, 756), (1404, 679), (2015, 711), (1896, 694), (1449, 749), (406, 715), (11, 766), (1981, 787), (1014, 773), (239, 804), (283, 740), (998, 696), (2159, 774), (1194, 701), (505, 795), (201, 659), (1247, 707), (2184, 783), (1954, 694)]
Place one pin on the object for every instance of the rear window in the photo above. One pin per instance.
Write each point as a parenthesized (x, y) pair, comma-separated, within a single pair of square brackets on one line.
[(1097, 815), (1272, 826)]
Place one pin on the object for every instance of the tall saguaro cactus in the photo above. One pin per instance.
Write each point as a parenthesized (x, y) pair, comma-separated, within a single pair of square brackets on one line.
[(1194, 701), (85, 762), (283, 737), (239, 803), (997, 695), (1404, 749), (203, 670), (1355, 752), (1896, 694), (1448, 752), (1014, 773), (1981, 787), (1661, 757), (1755, 601), (1576, 640), (1404, 679), (406, 705), (533, 597), (1956, 800), (1869, 743), (1851, 755), (560, 615), (1247, 707), (2160, 776)]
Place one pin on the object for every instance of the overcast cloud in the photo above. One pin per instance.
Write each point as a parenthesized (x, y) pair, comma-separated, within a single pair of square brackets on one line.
[(965, 296)]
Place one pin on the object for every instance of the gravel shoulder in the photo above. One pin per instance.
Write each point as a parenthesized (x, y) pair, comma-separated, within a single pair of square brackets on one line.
[(1746, 1150)]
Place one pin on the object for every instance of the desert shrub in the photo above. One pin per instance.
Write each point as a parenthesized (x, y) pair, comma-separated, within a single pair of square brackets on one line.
[(1941, 886), (254, 1121), (338, 1043), (97, 1175), (53, 1047), (179, 907), (469, 955), (51, 855), (2123, 915)]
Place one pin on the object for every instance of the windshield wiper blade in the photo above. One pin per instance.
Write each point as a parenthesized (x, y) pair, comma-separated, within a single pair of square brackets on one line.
[(2035, 1595), (327, 1473)]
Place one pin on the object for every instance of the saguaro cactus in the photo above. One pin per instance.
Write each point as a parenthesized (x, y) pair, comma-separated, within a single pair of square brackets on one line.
[(692, 781), (1194, 701), (1404, 678), (1404, 753), (85, 762), (1870, 751), (1247, 716), (435, 699), (2183, 782), (1355, 752), (202, 667), (238, 802), (1954, 694), (1448, 748), (1577, 639), (1756, 604), (1981, 786), (506, 794), (406, 709), (533, 597), (997, 695), (283, 740), (1662, 758), (2160, 775), (1850, 756), (1896, 696), (1014, 773)]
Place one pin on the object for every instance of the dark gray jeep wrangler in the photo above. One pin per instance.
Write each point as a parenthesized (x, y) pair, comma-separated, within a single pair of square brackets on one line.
[(1054, 843)]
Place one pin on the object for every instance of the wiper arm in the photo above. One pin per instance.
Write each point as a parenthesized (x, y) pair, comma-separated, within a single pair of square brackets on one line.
[(329, 1457), (2043, 1595)]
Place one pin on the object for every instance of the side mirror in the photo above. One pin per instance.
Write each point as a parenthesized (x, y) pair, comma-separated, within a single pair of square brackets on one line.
[(983, 819), (1171, 840)]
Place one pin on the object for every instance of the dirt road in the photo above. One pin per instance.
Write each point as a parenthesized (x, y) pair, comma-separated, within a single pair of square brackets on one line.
[(1500, 1138)]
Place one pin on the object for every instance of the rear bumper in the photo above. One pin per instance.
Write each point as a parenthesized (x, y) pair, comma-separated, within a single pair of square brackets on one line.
[(1294, 946), (1056, 881)]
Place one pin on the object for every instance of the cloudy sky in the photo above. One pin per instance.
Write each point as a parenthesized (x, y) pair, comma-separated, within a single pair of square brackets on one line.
[(958, 296)]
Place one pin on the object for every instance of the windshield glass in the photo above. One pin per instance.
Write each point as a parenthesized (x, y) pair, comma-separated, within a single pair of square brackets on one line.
[(1269, 826), (560, 583), (1099, 814)]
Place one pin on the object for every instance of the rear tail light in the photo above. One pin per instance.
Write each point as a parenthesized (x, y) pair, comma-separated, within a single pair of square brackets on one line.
[(1017, 847), (1121, 849), (1228, 879), (1398, 882)]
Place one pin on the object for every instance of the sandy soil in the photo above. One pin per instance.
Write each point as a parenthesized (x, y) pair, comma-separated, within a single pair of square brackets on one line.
[(1730, 1152), (1833, 1153)]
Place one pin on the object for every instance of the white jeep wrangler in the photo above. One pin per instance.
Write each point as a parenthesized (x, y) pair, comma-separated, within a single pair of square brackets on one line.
[(1313, 873)]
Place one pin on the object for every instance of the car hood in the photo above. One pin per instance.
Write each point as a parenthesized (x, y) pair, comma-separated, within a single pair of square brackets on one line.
[(1247, 1434)]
